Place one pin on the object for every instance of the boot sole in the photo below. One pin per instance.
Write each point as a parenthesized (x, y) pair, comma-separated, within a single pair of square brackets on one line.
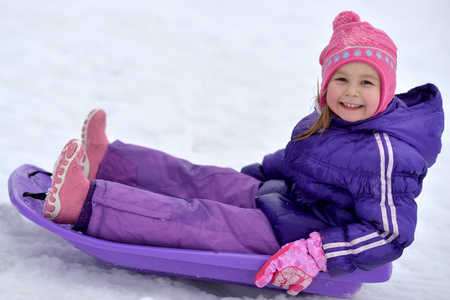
[(68, 155)]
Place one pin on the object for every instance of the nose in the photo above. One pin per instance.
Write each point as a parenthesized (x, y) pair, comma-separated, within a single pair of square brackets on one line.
[(352, 91)]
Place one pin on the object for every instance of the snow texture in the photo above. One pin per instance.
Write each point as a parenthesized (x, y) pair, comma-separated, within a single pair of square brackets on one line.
[(216, 82)]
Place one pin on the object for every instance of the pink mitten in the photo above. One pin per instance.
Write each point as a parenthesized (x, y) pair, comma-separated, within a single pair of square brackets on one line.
[(294, 266)]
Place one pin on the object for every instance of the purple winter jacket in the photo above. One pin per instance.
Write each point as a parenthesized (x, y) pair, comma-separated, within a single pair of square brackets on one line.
[(355, 183)]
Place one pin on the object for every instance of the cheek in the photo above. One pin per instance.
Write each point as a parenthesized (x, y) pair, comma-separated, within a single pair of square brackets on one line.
[(374, 100), (332, 96)]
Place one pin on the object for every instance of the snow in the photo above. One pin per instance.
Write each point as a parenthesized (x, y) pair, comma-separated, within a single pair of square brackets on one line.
[(216, 82)]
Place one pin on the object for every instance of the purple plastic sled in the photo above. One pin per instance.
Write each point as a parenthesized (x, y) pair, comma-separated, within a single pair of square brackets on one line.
[(232, 268)]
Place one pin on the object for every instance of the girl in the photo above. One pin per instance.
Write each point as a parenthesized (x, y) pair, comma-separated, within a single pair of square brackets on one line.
[(340, 196)]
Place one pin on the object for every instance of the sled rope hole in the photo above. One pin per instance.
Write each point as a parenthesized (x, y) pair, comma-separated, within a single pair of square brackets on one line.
[(39, 172), (39, 196)]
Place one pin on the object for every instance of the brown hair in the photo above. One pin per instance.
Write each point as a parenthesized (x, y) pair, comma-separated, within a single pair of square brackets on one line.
[(322, 123)]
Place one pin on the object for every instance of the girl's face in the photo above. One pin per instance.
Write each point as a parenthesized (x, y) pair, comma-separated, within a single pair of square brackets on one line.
[(354, 91)]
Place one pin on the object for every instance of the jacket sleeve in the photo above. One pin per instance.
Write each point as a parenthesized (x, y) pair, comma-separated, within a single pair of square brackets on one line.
[(269, 169), (372, 242), (385, 228)]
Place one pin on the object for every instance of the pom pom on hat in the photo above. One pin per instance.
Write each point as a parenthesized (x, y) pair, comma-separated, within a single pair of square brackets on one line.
[(356, 41), (345, 17)]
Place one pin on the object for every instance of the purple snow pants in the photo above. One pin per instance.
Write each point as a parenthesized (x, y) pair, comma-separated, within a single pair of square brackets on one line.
[(147, 197)]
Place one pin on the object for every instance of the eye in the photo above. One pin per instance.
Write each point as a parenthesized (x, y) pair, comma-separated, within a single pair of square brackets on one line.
[(366, 82), (341, 79)]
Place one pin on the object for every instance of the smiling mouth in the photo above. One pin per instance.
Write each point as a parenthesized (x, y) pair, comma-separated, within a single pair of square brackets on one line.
[(351, 105)]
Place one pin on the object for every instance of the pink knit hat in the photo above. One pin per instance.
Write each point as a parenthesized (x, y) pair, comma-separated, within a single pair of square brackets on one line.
[(356, 41)]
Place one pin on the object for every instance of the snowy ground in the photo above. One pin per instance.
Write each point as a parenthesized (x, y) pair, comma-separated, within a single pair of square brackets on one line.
[(216, 82)]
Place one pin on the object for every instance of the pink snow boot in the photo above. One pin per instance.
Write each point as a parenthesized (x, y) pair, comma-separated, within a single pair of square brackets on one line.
[(66, 196), (95, 142)]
